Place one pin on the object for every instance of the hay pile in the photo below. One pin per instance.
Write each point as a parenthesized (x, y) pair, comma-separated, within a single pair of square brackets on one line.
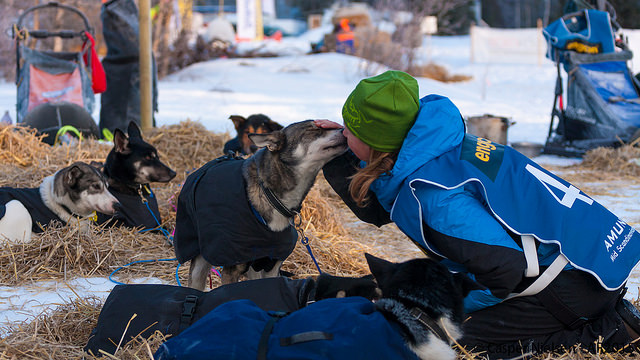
[(63, 333), (62, 252), (622, 162)]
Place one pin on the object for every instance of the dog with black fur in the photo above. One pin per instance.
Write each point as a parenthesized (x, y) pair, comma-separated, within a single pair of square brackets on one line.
[(419, 316), (238, 213), (254, 124), (129, 168), (71, 194)]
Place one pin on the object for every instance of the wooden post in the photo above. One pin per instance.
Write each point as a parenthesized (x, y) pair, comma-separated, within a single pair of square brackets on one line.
[(146, 107), (259, 22), (540, 52), (472, 40)]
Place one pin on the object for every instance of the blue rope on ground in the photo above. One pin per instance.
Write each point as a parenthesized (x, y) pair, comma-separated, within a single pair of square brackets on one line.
[(138, 262), (164, 231)]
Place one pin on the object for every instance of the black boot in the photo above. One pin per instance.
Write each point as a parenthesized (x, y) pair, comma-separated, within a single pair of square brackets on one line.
[(630, 316)]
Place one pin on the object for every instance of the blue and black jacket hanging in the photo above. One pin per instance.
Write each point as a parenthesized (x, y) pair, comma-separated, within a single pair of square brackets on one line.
[(215, 219), (32, 201)]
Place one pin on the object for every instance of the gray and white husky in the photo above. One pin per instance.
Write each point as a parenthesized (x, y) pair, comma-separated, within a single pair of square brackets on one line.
[(276, 180), (72, 193)]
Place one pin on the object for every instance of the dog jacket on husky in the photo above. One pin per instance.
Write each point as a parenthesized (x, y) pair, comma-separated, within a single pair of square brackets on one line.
[(225, 219), (134, 211), (344, 328), (32, 201)]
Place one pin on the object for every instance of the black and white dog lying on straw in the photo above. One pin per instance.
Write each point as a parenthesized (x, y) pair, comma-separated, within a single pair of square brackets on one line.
[(71, 194), (239, 213), (419, 317)]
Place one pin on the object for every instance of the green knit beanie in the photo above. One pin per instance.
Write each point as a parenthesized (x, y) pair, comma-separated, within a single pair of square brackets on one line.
[(381, 110)]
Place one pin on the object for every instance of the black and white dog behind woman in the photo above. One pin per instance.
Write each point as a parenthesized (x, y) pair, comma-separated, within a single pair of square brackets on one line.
[(71, 194), (238, 213)]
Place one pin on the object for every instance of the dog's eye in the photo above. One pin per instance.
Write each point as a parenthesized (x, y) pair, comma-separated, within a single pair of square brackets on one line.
[(151, 156), (96, 187)]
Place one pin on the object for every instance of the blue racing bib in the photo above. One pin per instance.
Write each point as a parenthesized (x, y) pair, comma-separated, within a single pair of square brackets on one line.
[(529, 200)]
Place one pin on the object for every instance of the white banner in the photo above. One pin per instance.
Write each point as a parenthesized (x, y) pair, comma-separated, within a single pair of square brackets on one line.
[(269, 8), (634, 45), (246, 23), (490, 45)]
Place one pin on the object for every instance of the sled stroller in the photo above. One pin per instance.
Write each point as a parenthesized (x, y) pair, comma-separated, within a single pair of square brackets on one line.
[(602, 107), (55, 88)]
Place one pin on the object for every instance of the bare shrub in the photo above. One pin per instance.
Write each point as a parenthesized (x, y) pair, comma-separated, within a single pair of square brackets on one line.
[(398, 50)]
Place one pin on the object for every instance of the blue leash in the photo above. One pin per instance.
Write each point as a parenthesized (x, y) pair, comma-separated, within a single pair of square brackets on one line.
[(305, 241), (139, 262), (167, 235)]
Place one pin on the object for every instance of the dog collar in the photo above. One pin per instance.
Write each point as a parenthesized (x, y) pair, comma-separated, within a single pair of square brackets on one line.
[(275, 202), (430, 324), (93, 216)]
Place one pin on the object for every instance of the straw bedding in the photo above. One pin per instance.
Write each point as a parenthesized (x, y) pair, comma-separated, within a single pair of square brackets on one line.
[(62, 253), (338, 240)]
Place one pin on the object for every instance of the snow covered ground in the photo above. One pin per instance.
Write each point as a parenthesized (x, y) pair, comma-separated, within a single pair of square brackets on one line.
[(297, 87)]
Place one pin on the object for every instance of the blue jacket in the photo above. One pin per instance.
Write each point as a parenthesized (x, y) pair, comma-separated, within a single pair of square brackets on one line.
[(344, 328), (457, 223)]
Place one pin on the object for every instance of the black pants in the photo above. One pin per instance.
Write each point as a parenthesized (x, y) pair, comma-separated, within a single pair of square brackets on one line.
[(523, 325)]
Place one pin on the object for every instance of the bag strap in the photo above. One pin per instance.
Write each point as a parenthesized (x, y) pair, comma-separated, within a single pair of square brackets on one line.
[(188, 309), (545, 279), (531, 255), (263, 345)]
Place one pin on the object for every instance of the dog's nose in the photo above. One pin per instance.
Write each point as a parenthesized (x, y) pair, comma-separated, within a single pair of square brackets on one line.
[(111, 208)]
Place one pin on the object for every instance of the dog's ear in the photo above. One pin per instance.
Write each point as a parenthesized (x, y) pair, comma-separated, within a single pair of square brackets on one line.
[(465, 283), (273, 140), (97, 164), (72, 175), (381, 269), (134, 130), (272, 125), (121, 142), (238, 122)]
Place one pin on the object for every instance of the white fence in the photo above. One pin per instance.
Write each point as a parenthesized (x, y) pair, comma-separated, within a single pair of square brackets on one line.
[(490, 45)]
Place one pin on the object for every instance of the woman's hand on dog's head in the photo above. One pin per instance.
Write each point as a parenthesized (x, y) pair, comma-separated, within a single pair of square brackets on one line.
[(327, 124)]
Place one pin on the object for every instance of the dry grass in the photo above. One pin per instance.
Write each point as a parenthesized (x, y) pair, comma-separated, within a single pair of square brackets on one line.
[(63, 333), (623, 161), (63, 253), (437, 72)]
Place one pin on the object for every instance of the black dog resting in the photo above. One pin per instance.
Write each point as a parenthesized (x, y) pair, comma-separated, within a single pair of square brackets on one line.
[(238, 213), (71, 193), (130, 166), (418, 317), (254, 124)]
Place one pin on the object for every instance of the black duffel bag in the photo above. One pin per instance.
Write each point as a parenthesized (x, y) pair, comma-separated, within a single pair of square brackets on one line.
[(171, 309)]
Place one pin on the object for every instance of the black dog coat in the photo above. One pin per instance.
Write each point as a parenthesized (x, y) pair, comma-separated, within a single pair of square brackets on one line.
[(215, 219), (32, 201), (133, 212)]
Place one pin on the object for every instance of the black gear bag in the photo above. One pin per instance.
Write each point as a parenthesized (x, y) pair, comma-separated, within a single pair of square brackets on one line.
[(171, 309)]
